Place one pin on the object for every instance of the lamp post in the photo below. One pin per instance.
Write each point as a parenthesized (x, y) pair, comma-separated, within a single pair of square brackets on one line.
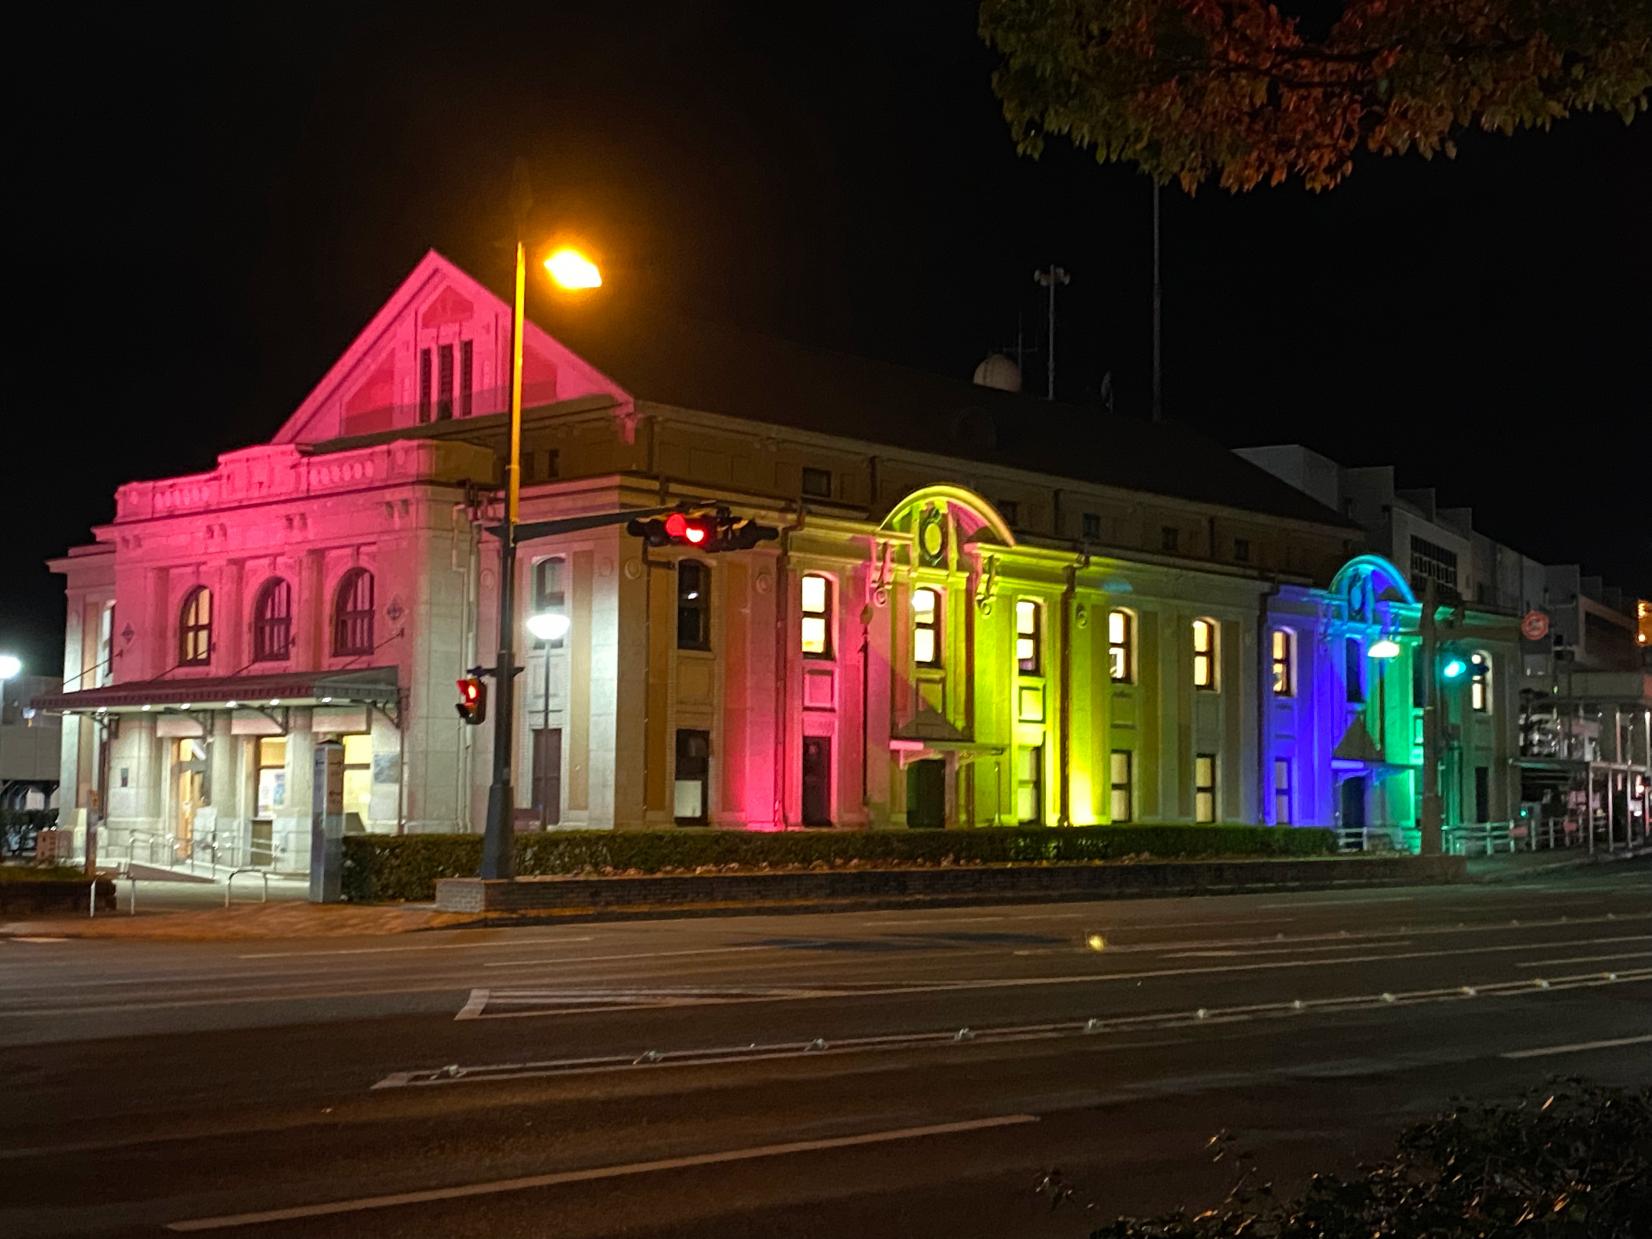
[(569, 269)]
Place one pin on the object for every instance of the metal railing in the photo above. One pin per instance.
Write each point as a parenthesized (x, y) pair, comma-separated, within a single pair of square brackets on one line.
[(229, 884), (1479, 838)]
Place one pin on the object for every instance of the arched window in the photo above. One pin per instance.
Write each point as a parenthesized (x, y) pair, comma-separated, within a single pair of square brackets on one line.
[(1204, 655), (1479, 684), (353, 613), (1121, 647), (272, 621), (195, 628), (693, 605), (816, 605)]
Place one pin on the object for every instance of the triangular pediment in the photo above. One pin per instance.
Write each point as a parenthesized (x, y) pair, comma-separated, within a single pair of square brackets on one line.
[(438, 348), (1357, 743)]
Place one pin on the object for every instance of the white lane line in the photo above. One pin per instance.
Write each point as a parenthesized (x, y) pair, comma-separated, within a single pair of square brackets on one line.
[(1284, 950), (1577, 1047), (530, 1182), (283, 996), (1336, 903), (475, 1006), (537, 944), (1583, 959), (603, 959)]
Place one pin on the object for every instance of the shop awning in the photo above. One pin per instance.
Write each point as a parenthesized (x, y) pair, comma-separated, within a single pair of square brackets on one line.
[(372, 686)]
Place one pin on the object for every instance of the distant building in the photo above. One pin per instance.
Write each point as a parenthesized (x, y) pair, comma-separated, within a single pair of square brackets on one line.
[(30, 743)]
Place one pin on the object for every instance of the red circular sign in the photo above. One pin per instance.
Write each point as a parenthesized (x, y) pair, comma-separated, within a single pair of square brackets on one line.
[(1534, 626)]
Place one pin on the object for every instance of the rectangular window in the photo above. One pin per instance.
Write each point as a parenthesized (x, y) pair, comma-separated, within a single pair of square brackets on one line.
[(424, 385), (817, 483), (1120, 786), (693, 605), (1121, 633), (547, 775), (1029, 783), (358, 777), (816, 605), (270, 781), (1204, 787), (1419, 678), (1241, 550), (1283, 683), (549, 596), (1204, 655), (1010, 510), (1353, 668), (1479, 692), (1430, 560), (1091, 526), (467, 376), (1282, 791), (690, 778), (444, 382), (926, 627), (1482, 794), (1170, 538), (1029, 638)]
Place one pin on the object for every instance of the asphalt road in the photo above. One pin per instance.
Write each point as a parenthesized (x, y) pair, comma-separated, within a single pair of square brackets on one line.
[(879, 1073)]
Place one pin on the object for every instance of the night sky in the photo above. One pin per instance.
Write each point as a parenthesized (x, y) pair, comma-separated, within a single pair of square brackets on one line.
[(210, 212)]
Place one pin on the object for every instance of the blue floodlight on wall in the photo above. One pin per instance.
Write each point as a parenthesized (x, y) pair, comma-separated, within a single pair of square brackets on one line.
[(1454, 668)]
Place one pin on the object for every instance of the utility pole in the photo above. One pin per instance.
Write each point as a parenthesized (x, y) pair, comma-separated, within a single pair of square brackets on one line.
[(1158, 301), (1051, 278)]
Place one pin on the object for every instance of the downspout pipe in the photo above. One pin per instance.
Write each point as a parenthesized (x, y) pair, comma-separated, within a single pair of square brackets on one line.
[(1264, 689)]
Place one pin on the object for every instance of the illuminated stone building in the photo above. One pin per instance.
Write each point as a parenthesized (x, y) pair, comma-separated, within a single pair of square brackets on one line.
[(977, 613)]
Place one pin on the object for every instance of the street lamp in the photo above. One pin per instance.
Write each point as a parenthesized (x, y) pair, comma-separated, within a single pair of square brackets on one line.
[(548, 625), (1384, 647), (574, 271)]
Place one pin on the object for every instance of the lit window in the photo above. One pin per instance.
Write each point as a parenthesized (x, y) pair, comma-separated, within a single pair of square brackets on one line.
[(549, 594), (926, 625), (1283, 684), (195, 628), (1204, 655), (272, 621), (1353, 667), (1029, 783), (1121, 638), (1028, 636), (1479, 684), (1282, 791), (270, 782), (358, 775), (1204, 787), (353, 613), (693, 605), (1120, 786), (691, 778), (817, 616)]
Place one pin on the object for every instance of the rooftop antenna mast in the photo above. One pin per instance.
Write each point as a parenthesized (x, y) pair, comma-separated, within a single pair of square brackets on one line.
[(1051, 277)]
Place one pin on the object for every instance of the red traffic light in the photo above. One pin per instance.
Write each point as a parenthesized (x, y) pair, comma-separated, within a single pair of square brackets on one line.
[(473, 699), (680, 529)]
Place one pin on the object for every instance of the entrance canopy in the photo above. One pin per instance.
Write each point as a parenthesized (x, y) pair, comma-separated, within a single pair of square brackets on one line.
[(372, 686)]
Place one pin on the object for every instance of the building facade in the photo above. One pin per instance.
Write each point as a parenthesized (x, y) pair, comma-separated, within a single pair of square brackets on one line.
[(964, 622)]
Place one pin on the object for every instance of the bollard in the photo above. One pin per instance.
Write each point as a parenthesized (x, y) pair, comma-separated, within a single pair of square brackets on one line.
[(92, 901)]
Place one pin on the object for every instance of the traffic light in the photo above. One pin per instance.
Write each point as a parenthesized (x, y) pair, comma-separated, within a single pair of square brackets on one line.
[(1453, 667), (473, 699), (720, 531)]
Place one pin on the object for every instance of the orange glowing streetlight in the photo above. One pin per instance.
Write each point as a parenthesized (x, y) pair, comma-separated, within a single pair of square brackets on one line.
[(573, 270)]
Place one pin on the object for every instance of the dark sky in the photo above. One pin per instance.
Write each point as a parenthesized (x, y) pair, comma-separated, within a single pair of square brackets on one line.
[(210, 211)]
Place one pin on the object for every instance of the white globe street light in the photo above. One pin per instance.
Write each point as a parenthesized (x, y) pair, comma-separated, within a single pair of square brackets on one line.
[(10, 666), (548, 625)]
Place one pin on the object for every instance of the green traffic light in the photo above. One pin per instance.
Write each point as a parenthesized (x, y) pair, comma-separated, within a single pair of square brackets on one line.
[(1453, 668)]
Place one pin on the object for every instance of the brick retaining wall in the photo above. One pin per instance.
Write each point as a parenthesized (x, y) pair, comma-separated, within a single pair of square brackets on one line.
[(968, 884)]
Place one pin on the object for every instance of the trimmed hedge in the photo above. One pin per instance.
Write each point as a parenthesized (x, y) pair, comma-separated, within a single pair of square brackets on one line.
[(390, 867)]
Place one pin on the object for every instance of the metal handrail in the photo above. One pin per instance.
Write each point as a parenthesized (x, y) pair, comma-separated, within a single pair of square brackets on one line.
[(229, 884)]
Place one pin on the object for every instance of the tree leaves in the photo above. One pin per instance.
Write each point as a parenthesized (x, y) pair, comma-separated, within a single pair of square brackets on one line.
[(1231, 90)]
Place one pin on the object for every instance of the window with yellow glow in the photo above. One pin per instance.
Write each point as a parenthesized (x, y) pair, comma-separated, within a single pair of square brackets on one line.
[(817, 616), (1479, 685), (1283, 685), (1204, 787), (358, 775), (271, 778), (1121, 640), (1204, 655), (195, 628), (926, 627), (1029, 653)]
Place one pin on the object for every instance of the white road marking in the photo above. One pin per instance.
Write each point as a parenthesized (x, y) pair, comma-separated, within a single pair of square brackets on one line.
[(603, 959), (531, 1182), (32, 938), (475, 1006), (1577, 1047), (1337, 903), (535, 943), (1583, 959), (1283, 950)]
